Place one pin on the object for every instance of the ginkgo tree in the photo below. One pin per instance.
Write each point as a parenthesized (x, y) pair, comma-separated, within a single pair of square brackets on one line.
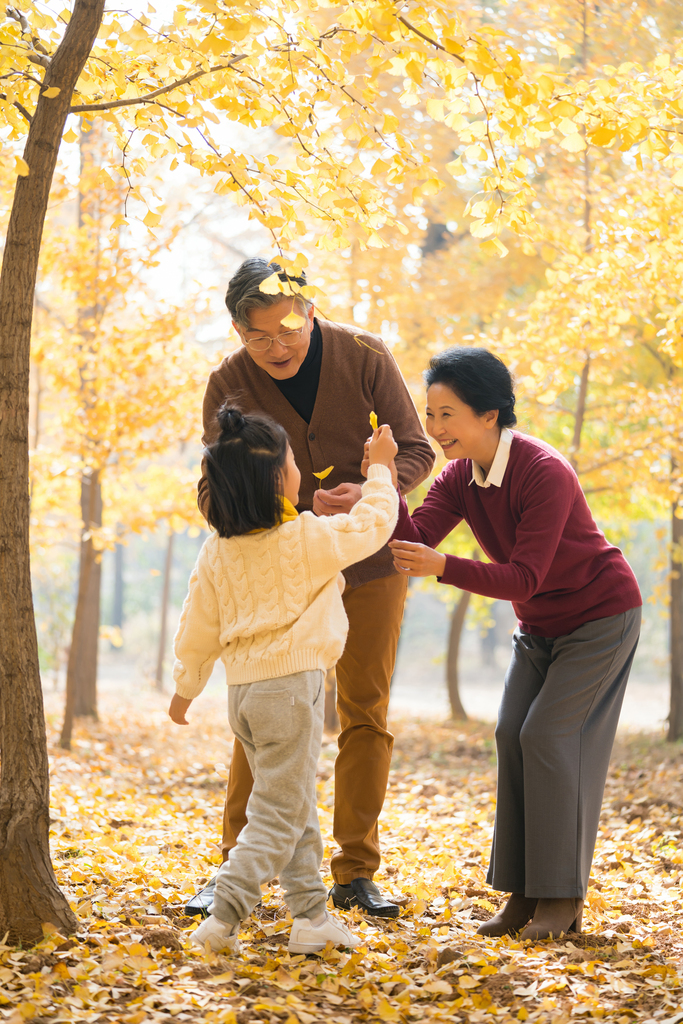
[(286, 66), (126, 384)]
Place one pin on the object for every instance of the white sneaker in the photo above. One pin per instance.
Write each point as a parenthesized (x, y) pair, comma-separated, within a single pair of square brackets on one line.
[(306, 937), (219, 934)]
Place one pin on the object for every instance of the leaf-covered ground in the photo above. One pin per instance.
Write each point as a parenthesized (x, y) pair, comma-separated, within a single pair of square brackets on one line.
[(136, 818)]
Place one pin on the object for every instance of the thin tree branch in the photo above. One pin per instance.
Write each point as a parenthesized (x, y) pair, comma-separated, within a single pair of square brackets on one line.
[(22, 109), (150, 96), (428, 39)]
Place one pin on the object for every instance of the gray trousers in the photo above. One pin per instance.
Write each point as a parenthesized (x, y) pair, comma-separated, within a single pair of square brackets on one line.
[(554, 737), (279, 722)]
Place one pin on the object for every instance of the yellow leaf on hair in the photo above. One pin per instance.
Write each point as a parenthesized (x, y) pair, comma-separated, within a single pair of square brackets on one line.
[(293, 321), (373, 420), (270, 285), (324, 473)]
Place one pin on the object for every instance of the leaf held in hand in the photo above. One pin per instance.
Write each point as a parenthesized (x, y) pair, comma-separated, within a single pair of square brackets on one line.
[(373, 420), (324, 473)]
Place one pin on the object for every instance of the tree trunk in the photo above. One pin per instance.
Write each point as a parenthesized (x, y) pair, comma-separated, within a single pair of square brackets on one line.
[(165, 594), (458, 713), (83, 662), (676, 623), (81, 672), (117, 610), (29, 894)]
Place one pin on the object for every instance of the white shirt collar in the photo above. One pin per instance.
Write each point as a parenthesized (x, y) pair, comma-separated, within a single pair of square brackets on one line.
[(498, 466)]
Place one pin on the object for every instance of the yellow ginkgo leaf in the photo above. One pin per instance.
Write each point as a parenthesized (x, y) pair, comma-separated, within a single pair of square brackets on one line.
[(53, 91), (271, 285), (20, 167), (324, 473), (373, 420), (293, 321)]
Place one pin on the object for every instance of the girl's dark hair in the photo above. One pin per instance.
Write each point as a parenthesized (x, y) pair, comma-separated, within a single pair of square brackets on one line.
[(243, 469), (479, 379)]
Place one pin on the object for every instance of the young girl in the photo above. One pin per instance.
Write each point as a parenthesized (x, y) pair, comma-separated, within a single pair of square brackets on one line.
[(265, 597), (578, 606)]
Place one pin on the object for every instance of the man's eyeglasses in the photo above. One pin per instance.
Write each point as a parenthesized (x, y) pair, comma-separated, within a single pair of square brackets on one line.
[(263, 343)]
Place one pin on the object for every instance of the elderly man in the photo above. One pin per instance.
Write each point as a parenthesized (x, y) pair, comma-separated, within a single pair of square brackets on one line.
[(321, 382)]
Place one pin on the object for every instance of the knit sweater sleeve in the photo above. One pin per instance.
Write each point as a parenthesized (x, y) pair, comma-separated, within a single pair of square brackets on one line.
[(197, 642), (341, 540)]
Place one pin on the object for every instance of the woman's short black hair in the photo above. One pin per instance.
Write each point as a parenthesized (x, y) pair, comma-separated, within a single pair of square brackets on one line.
[(479, 379), (243, 470)]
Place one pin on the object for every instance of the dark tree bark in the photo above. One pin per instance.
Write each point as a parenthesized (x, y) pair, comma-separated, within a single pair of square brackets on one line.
[(165, 594), (676, 625), (29, 894), (458, 713)]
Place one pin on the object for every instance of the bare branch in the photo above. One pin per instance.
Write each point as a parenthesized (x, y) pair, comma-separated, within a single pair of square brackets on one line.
[(151, 96)]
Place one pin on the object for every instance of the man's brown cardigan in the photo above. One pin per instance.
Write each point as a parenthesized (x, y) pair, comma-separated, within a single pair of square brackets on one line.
[(358, 375)]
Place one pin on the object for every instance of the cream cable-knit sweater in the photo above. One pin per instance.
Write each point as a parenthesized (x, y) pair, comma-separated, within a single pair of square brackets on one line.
[(269, 604)]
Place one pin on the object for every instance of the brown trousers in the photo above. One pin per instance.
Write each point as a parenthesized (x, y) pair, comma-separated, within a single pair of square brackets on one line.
[(361, 772)]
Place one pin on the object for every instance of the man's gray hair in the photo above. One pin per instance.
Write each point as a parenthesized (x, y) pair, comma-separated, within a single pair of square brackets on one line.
[(244, 294)]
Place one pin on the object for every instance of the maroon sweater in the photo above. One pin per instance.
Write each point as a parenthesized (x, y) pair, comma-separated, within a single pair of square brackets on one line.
[(548, 557)]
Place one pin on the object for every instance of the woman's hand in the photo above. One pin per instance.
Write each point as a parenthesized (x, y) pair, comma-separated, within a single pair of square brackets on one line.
[(179, 706), (417, 559)]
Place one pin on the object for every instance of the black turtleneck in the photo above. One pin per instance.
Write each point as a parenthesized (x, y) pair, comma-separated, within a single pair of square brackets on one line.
[(301, 389)]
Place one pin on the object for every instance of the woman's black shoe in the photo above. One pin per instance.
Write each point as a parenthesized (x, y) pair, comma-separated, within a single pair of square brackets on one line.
[(363, 893)]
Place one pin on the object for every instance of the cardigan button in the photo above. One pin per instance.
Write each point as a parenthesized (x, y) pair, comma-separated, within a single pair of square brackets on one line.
[(311, 437)]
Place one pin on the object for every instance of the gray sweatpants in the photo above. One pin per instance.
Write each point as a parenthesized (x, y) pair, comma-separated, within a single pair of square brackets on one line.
[(554, 737), (279, 723)]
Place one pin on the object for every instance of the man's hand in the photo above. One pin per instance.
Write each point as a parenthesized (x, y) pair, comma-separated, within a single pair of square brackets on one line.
[(179, 706), (417, 559), (340, 499)]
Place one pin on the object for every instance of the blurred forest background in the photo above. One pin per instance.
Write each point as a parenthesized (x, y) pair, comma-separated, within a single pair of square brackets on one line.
[(129, 318)]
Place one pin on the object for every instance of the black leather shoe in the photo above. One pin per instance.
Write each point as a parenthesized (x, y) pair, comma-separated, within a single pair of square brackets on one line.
[(363, 893), (199, 905)]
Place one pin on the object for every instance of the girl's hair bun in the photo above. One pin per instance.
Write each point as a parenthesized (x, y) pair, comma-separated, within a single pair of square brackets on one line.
[(230, 420)]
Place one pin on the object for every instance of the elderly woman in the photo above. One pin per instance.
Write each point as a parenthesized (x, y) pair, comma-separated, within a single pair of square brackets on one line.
[(578, 606)]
